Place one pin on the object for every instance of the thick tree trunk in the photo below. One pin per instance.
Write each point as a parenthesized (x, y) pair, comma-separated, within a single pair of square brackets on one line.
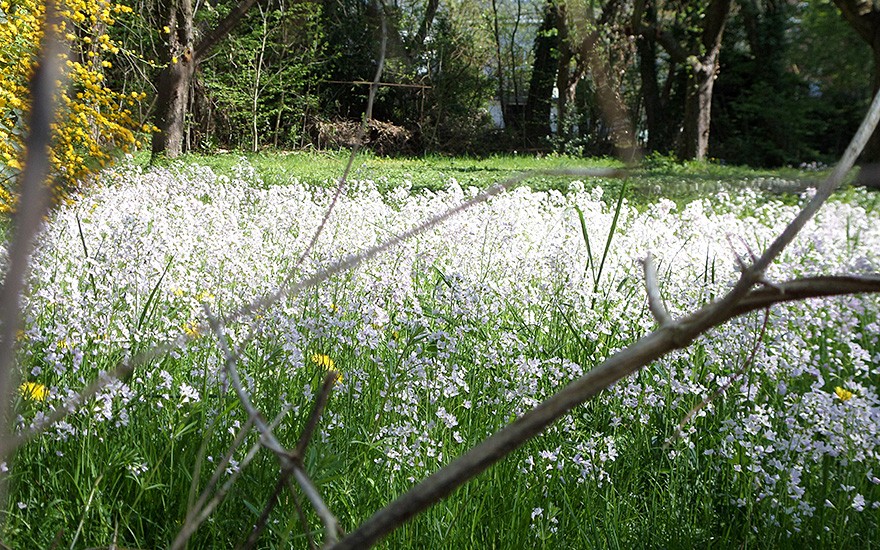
[(543, 78), (702, 63), (172, 103)]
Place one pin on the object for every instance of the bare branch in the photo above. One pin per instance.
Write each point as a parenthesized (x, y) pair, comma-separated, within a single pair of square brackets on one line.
[(302, 517), (312, 423), (649, 348), (853, 150), (190, 525), (290, 462), (655, 302), (264, 516), (267, 438), (32, 206)]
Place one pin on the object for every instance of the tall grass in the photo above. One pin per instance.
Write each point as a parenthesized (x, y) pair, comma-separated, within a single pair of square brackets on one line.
[(439, 343)]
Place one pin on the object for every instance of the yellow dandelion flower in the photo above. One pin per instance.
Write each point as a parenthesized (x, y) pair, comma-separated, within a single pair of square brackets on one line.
[(326, 363), (191, 329), (34, 391), (843, 393)]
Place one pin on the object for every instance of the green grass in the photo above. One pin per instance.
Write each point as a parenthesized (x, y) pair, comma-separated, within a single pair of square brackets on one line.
[(657, 178)]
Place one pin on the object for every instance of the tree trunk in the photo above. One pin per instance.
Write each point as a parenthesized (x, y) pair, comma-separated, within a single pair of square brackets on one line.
[(698, 114), (872, 149), (566, 78), (171, 105), (864, 18), (172, 102), (539, 101), (646, 50), (702, 63), (502, 96)]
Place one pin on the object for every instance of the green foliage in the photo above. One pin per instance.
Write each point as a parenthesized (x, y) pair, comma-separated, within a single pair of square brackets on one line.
[(460, 90), (779, 99), (260, 82)]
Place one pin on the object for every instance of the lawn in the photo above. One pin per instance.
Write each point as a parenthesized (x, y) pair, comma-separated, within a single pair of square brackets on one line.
[(439, 342)]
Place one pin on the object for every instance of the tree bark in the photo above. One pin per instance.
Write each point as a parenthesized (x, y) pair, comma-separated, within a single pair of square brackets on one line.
[(173, 88), (172, 106), (698, 112), (566, 78), (646, 50), (502, 96), (539, 100), (702, 63)]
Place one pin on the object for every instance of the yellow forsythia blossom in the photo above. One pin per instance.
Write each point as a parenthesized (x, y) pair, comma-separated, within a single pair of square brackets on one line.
[(92, 122)]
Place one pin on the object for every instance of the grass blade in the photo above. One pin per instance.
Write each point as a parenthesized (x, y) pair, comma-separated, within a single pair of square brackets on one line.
[(610, 234), (586, 234), (153, 294)]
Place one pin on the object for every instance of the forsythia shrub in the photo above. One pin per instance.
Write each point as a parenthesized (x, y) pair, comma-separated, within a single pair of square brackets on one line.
[(92, 122)]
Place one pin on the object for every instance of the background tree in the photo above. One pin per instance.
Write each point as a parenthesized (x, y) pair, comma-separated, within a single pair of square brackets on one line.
[(259, 87), (695, 43), (864, 17)]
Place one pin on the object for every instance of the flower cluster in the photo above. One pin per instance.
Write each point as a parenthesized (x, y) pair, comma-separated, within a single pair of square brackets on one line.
[(455, 333)]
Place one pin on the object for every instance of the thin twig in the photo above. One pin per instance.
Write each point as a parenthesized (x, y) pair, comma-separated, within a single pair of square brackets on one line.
[(289, 462), (756, 272), (267, 437), (260, 525), (190, 526), (302, 517), (193, 510), (331, 524), (721, 390), (314, 418), (655, 302)]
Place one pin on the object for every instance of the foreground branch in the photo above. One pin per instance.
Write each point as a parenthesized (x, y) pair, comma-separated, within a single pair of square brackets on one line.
[(673, 336), (32, 206)]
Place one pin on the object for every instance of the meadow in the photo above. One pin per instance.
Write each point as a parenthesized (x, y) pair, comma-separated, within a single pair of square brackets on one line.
[(437, 344)]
